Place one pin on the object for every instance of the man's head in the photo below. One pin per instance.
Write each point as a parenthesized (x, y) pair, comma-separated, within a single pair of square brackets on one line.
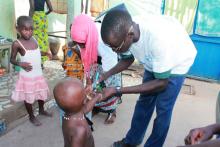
[(117, 30), (69, 95)]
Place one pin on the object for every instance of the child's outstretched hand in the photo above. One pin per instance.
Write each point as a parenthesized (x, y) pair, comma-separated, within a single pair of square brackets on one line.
[(92, 98), (88, 89), (198, 135), (26, 66)]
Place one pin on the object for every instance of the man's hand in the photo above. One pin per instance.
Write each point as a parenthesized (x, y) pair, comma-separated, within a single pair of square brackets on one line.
[(198, 135), (26, 66), (108, 92)]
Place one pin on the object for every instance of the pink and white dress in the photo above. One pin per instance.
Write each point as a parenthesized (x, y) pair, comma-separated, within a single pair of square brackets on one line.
[(31, 86)]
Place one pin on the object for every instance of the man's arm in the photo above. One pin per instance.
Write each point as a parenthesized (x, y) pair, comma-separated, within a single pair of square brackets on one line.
[(153, 86), (150, 87), (119, 67)]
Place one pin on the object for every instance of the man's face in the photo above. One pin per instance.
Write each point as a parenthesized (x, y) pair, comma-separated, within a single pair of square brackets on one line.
[(120, 45)]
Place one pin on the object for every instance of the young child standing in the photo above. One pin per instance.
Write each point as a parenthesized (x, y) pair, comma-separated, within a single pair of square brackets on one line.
[(31, 85), (71, 98)]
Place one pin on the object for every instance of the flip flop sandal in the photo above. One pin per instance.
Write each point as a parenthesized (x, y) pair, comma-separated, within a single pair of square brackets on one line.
[(110, 115)]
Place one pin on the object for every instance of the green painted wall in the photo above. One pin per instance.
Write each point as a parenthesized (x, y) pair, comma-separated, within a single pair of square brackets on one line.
[(7, 19)]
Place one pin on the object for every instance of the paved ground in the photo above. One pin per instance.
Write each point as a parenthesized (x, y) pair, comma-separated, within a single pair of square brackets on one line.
[(190, 111)]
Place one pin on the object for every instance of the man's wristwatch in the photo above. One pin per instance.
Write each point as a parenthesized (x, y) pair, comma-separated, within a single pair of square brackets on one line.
[(118, 91)]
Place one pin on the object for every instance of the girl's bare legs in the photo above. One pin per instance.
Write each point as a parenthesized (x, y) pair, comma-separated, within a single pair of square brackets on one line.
[(32, 118), (41, 109)]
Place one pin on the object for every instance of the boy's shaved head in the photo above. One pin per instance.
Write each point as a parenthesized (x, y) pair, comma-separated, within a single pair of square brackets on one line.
[(69, 95), (115, 23)]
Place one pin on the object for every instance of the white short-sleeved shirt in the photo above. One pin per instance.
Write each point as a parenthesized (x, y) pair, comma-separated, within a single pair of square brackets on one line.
[(164, 47), (109, 58)]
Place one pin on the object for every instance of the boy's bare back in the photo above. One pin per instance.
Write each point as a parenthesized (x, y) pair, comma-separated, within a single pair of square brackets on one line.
[(77, 133)]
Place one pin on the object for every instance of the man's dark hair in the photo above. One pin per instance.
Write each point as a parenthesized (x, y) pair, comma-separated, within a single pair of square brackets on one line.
[(22, 19), (116, 22)]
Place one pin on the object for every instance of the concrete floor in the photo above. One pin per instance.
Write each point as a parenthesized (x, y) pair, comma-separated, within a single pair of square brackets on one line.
[(190, 111)]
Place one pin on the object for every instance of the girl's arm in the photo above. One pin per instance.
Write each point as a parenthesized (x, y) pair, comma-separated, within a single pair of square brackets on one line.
[(49, 6), (15, 50), (31, 11)]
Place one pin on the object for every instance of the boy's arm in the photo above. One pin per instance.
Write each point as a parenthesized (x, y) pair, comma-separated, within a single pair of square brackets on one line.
[(49, 6), (79, 137), (91, 103)]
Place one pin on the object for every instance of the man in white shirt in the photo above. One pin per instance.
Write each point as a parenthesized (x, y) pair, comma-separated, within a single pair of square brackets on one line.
[(164, 48)]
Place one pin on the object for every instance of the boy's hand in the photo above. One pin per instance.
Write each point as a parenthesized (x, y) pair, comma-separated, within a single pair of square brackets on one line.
[(198, 135), (26, 66), (88, 89), (98, 96)]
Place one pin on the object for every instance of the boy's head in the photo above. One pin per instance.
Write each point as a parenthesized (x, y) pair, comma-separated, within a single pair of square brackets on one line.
[(117, 30), (69, 95), (25, 27)]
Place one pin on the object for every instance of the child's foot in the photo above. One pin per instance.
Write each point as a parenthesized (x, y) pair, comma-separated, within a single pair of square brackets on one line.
[(45, 113), (35, 121), (110, 118)]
